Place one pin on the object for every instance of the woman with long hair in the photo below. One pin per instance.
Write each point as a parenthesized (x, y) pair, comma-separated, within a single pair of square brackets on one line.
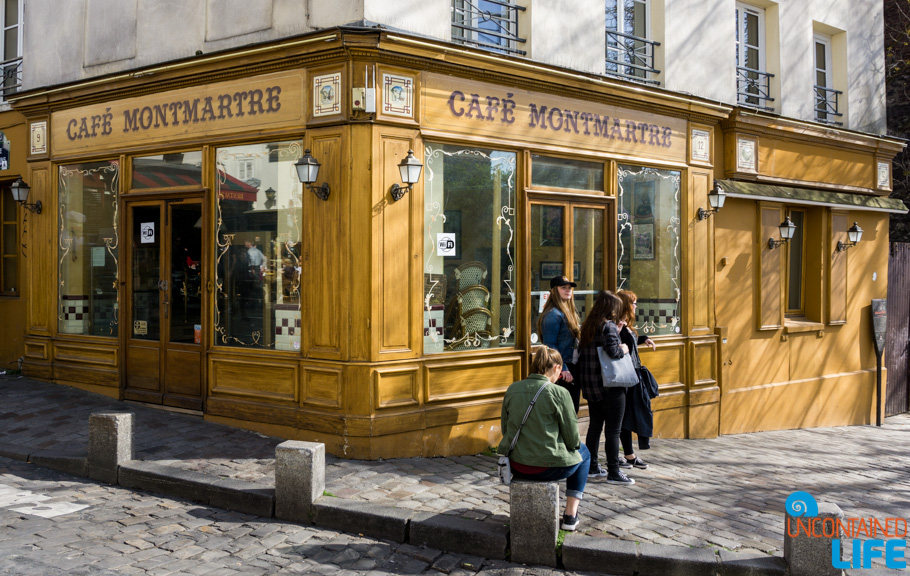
[(606, 404), (637, 417), (558, 326), (548, 447)]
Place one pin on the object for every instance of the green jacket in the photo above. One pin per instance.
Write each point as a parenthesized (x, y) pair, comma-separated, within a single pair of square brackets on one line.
[(550, 436)]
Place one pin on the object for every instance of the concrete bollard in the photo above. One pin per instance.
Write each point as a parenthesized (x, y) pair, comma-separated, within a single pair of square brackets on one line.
[(299, 479), (534, 522), (806, 555), (110, 444)]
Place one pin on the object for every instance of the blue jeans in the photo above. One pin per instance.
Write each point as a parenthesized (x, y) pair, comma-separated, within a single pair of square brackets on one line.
[(576, 476)]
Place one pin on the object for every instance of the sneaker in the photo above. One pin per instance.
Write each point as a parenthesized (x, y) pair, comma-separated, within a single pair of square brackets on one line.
[(569, 523), (638, 463), (623, 463), (597, 470), (620, 478)]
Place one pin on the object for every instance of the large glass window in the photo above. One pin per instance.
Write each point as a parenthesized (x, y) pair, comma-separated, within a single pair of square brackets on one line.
[(469, 272), (796, 265), (564, 173), (257, 269), (649, 246), (168, 170), (9, 243), (88, 248)]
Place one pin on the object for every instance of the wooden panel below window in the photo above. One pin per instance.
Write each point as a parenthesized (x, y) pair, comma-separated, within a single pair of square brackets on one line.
[(184, 373), (143, 368), (322, 386), (254, 378), (470, 378), (395, 387)]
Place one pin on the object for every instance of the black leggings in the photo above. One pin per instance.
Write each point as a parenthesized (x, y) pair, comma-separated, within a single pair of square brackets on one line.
[(606, 416), (644, 443)]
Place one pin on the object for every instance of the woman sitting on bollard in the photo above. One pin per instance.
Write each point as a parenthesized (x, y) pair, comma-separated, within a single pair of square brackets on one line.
[(548, 446)]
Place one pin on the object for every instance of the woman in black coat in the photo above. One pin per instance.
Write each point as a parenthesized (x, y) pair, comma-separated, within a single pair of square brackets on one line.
[(638, 417)]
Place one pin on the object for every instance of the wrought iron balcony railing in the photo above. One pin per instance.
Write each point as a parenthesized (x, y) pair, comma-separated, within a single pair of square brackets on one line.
[(12, 77), (498, 31), (631, 57), (827, 105), (753, 88)]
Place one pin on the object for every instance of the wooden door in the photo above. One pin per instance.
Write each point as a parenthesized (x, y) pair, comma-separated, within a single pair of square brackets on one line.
[(570, 237), (164, 287)]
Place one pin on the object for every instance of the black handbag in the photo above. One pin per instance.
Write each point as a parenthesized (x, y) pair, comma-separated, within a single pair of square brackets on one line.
[(649, 383)]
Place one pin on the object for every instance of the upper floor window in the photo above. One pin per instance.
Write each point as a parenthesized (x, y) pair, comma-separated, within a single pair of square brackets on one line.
[(630, 54), (11, 59), (490, 24), (753, 83), (826, 97)]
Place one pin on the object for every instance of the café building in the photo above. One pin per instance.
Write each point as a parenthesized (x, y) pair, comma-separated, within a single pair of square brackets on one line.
[(347, 237)]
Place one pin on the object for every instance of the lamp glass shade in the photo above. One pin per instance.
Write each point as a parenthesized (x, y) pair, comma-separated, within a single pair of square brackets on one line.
[(20, 190), (410, 168), (855, 233), (787, 229), (307, 168), (716, 198)]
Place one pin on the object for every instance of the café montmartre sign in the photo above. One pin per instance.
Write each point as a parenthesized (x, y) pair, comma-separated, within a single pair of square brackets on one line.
[(272, 100), (453, 104)]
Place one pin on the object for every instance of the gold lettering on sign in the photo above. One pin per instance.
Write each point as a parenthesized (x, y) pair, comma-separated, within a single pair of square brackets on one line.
[(268, 100), (453, 104)]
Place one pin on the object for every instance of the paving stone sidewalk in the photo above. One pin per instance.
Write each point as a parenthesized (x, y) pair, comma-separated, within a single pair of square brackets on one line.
[(727, 492)]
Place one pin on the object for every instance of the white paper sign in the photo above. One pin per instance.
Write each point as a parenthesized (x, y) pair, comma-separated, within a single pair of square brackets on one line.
[(98, 256), (543, 300), (445, 244), (147, 233)]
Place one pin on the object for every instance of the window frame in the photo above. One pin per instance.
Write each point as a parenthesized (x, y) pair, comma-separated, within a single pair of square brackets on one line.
[(12, 73), (645, 51), (9, 220), (469, 32), (799, 312), (828, 71)]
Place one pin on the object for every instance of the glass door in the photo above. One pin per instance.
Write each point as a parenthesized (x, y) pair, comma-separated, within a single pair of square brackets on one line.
[(164, 294), (568, 238)]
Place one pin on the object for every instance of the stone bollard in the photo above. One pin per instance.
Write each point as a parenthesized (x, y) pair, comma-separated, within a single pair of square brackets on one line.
[(807, 555), (534, 522), (299, 479), (110, 444)]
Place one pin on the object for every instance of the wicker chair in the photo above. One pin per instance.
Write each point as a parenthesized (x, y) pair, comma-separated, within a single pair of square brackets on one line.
[(470, 274)]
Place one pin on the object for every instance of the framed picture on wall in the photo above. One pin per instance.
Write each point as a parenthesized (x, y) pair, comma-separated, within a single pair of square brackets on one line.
[(549, 270), (643, 209), (643, 241), (551, 226)]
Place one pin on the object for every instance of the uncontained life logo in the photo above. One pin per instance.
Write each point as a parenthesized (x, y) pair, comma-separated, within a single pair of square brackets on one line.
[(872, 537)]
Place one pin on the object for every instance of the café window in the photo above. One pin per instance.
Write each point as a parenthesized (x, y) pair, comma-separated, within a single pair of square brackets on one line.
[(175, 170), (796, 265), (648, 249), (469, 272), (257, 270), (88, 246), (9, 244), (550, 172)]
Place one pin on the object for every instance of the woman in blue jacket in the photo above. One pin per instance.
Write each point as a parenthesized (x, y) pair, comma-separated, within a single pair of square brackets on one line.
[(559, 328)]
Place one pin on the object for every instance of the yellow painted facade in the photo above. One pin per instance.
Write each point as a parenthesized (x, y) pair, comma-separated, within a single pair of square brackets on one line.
[(361, 379)]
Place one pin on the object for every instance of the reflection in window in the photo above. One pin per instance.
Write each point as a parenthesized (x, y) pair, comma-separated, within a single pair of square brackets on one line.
[(257, 271), (649, 246), (796, 251), (88, 248), (565, 173), (469, 273), (167, 170)]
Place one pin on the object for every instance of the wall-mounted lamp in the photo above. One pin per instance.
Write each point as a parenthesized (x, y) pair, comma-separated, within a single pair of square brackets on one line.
[(716, 199), (854, 234), (410, 169), (787, 229), (20, 194), (308, 171)]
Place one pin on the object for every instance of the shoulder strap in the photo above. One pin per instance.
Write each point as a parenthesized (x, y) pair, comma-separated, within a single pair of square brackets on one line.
[(525, 419)]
